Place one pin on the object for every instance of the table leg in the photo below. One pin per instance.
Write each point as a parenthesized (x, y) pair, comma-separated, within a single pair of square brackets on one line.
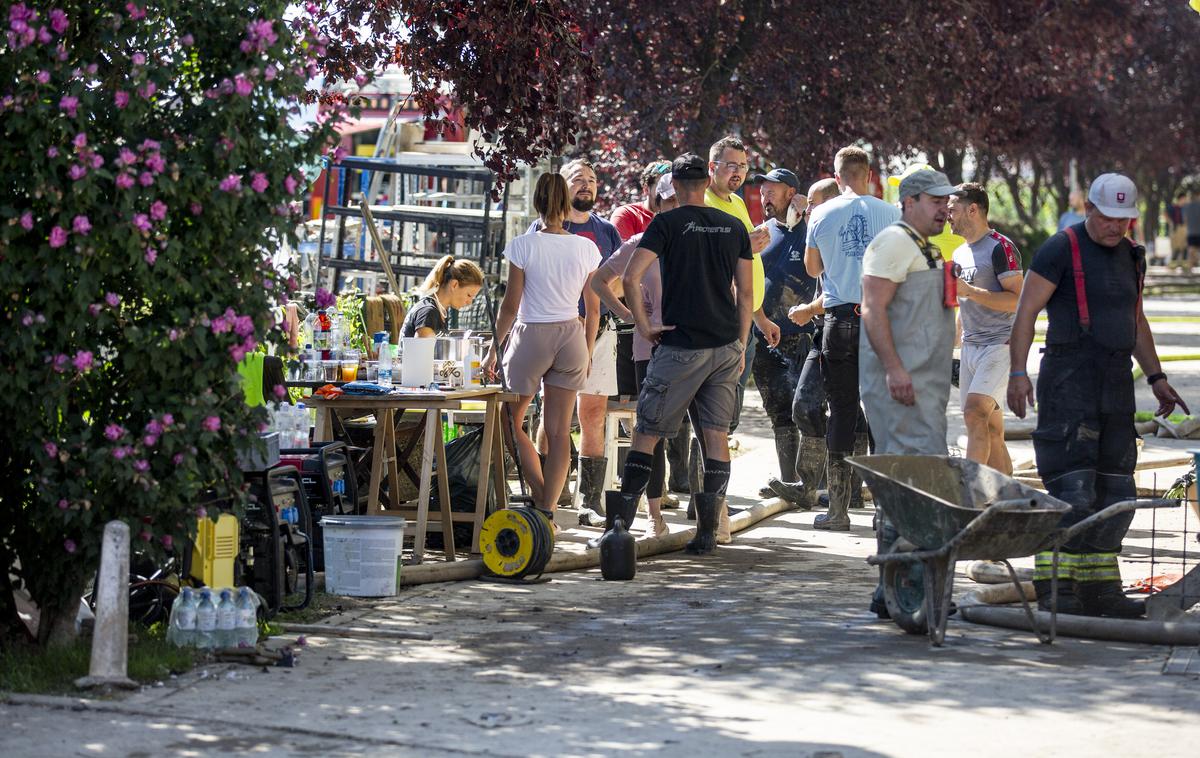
[(378, 461), (427, 455), (324, 426), (444, 492), (392, 459), (485, 470), (499, 473)]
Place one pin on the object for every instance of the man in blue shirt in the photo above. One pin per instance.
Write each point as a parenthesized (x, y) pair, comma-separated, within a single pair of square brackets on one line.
[(786, 284), (602, 380), (838, 234)]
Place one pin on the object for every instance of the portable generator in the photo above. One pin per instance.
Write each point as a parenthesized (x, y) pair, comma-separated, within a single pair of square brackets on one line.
[(330, 489), (275, 544)]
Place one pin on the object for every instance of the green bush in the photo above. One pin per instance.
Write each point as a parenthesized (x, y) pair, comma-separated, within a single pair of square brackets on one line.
[(147, 168)]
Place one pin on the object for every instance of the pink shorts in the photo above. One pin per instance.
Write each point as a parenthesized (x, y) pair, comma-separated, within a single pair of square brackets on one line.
[(553, 353)]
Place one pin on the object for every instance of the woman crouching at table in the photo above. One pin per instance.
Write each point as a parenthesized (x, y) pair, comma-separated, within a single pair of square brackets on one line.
[(549, 345), (451, 284)]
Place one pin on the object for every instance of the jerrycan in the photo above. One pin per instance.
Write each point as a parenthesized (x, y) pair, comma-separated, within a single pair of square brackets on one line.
[(618, 553)]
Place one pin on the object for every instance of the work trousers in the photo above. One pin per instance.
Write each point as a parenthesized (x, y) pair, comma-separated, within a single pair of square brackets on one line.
[(809, 407), (839, 355), (776, 374)]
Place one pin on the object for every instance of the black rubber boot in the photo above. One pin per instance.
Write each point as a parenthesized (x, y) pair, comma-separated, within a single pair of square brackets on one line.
[(810, 464), (677, 460), (1067, 601), (787, 449), (617, 504), (861, 446), (837, 519), (708, 513), (1107, 599), (695, 471), (591, 487)]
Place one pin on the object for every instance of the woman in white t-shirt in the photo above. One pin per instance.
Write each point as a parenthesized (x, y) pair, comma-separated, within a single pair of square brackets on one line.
[(549, 345)]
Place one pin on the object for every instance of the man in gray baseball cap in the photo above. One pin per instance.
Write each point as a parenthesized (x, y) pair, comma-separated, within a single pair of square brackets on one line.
[(1085, 443), (908, 323)]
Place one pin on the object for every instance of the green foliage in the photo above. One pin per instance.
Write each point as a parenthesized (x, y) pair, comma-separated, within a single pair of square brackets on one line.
[(53, 670), (147, 171)]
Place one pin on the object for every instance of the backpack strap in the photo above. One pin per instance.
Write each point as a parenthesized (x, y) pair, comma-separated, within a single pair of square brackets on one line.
[(1085, 319)]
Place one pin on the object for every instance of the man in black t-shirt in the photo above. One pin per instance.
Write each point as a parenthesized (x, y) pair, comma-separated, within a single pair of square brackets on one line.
[(1085, 442), (701, 345)]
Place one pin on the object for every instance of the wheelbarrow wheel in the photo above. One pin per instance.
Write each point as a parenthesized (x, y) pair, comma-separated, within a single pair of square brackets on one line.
[(904, 594)]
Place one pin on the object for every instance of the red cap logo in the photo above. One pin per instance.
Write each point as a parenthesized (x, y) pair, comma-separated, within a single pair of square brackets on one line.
[(1120, 197)]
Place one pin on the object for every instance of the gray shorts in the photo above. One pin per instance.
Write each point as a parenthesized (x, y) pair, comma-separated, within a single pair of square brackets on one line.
[(554, 353), (983, 370), (678, 376)]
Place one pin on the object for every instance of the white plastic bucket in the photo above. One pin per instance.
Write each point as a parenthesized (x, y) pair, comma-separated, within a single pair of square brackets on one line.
[(362, 554)]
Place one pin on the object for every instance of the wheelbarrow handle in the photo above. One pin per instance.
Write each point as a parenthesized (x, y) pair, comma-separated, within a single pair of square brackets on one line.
[(977, 523), (1115, 509)]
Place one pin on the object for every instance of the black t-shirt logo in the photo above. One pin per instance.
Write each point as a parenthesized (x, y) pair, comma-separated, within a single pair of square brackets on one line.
[(692, 226)]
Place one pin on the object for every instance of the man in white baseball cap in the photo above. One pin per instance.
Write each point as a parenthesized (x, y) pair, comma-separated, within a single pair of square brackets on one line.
[(1088, 278)]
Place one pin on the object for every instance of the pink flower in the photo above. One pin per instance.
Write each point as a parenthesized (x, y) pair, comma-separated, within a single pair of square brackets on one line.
[(69, 105), (52, 152), (270, 72), (259, 182), (120, 452), (177, 459), (338, 153), (324, 298), (158, 211), (187, 40), (27, 319), (212, 423), (243, 326), (96, 160), (80, 140), (113, 299), (142, 222), (139, 59), (43, 77), (151, 255), (147, 90), (58, 236), (126, 157), (168, 419), (124, 181), (231, 183), (167, 541), (82, 361), (145, 178), (51, 449), (58, 21), (237, 352), (149, 144), (135, 13), (27, 220), (173, 335), (155, 163), (113, 432), (196, 209), (279, 390), (121, 98), (141, 465), (242, 85), (76, 172), (81, 225), (70, 546), (60, 362), (149, 440), (289, 184), (146, 535), (63, 504)]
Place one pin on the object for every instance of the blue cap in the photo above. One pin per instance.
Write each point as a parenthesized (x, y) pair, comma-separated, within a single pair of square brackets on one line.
[(781, 175)]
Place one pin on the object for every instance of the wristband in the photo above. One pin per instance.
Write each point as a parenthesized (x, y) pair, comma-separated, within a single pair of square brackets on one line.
[(1155, 378), (1015, 374)]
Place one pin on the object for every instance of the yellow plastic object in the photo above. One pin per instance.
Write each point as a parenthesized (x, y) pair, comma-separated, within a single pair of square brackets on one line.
[(214, 552)]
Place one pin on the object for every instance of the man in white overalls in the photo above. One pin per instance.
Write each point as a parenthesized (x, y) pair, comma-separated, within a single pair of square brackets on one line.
[(907, 341)]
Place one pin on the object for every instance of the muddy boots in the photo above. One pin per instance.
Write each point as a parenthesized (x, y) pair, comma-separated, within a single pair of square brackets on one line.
[(623, 505), (1043, 574), (810, 465), (861, 447), (1098, 587), (591, 487), (787, 449), (695, 474), (709, 507), (838, 518)]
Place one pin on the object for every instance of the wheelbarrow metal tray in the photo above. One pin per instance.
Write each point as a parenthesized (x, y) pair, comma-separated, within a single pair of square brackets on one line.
[(931, 498)]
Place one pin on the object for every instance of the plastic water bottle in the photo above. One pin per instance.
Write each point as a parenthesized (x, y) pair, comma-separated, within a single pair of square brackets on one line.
[(226, 621), (181, 630), (385, 361), (300, 425), (247, 619), (206, 620)]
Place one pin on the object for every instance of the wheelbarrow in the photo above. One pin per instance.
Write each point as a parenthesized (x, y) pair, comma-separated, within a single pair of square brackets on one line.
[(949, 509)]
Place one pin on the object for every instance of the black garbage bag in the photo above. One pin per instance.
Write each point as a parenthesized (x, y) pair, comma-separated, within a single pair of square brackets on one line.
[(462, 466)]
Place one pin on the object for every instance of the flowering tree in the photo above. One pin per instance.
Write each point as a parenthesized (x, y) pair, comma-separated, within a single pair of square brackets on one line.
[(146, 176)]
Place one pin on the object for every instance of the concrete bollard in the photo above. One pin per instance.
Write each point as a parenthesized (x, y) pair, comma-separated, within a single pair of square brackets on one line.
[(110, 640)]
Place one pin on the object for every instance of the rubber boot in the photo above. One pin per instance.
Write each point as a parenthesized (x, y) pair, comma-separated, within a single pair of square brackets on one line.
[(1067, 601), (677, 460), (617, 504), (861, 445), (1098, 587), (708, 516), (787, 449), (810, 464), (695, 473), (885, 536), (591, 486), (837, 519)]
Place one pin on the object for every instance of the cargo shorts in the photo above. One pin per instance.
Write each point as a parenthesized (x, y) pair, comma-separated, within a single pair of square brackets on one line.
[(678, 377)]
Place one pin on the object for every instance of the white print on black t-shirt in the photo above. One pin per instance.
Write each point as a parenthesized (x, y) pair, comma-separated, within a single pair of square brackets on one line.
[(692, 226)]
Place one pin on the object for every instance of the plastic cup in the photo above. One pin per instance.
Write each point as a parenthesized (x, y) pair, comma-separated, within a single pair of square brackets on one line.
[(349, 371), (330, 370)]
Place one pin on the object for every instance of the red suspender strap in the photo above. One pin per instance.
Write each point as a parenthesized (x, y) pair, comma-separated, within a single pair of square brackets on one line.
[(1085, 319)]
